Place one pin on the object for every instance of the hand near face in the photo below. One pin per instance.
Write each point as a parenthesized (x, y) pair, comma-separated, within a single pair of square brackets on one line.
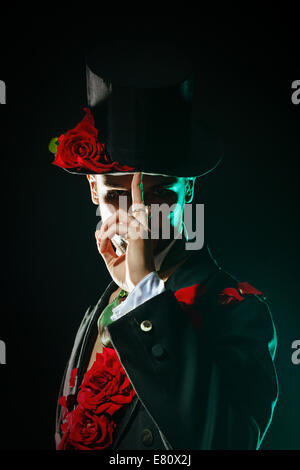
[(131, 267)]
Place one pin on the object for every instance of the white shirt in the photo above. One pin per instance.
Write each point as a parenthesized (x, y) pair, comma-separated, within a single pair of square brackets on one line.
[(150, 286)]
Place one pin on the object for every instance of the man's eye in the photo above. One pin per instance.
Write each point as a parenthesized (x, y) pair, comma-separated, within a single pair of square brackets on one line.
[(162, 191), (116, 193)]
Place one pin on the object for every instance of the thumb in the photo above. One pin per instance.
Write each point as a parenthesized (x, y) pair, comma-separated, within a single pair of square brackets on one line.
[(105, 248)]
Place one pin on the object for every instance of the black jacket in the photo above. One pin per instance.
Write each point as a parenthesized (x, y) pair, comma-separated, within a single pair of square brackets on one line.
[(204, 378)]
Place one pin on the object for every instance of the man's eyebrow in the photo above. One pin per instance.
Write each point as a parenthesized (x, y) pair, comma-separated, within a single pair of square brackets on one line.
[(165, 182), (112, 184)]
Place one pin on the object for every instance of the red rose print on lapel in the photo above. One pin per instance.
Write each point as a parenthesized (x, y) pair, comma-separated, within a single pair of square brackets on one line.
[(236, 294), (73, 375), (188, 297), (89, 420)]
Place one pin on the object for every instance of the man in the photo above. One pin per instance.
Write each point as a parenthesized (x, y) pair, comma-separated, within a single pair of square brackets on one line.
[(177, 354)]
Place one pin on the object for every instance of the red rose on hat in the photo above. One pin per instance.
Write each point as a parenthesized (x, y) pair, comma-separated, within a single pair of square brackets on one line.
[(80, 148)]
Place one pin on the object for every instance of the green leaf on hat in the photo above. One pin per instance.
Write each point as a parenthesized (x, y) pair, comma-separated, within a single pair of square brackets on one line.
[(53, 145)]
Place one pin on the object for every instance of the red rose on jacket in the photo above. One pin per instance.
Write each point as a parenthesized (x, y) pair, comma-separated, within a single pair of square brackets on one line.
[(67, 402), (105, 387), (235, 294), (73, 375), (80, 148), (188, 297), (104, 390), (86, 431)]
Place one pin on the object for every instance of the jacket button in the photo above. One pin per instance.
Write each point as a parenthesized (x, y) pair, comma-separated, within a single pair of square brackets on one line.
[(146, 325), (157, 350), (147, 437)]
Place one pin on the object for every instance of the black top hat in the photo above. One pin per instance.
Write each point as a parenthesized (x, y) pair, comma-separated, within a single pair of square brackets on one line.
[(141, 95)]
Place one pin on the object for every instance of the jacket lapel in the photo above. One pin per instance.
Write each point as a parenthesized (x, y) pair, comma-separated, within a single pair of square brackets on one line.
[(184, 276)]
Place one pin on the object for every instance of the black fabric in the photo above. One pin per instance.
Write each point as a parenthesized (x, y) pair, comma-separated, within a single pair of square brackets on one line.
[(141, 94), (139, 431), (215, 385)]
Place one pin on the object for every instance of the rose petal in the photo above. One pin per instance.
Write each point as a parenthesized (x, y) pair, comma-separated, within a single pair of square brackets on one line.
[(73, 377), (246, 288), (190, 295)]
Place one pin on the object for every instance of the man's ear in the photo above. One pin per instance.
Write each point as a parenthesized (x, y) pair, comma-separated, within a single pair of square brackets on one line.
[(93, 188), (189, 189)]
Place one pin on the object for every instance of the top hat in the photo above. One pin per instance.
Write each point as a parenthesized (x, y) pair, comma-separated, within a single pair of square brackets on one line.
[(141, 116)]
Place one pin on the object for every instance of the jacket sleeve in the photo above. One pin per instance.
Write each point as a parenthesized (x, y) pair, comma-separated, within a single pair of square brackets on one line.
[(208, 384)]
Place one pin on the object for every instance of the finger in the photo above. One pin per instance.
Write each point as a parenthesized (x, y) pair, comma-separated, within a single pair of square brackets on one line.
[(132, 230), (107, 222), (108, 254), (120, 229), (138, 208), (119, 216), (136, 193), (106, 250), (122, 223), (140, 214)]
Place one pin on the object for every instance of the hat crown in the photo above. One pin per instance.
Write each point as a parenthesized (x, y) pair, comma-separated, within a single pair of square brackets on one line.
[(141, 96), (141, 64)]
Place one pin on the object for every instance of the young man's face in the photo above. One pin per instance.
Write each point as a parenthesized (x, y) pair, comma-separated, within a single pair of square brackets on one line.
[(168, 190)]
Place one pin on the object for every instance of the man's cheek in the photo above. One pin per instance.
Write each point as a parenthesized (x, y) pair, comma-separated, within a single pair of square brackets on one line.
[(170, 224), (176, 216)]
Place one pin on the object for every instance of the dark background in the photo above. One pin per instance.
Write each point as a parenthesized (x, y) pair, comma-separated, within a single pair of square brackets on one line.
[(51, 271)]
